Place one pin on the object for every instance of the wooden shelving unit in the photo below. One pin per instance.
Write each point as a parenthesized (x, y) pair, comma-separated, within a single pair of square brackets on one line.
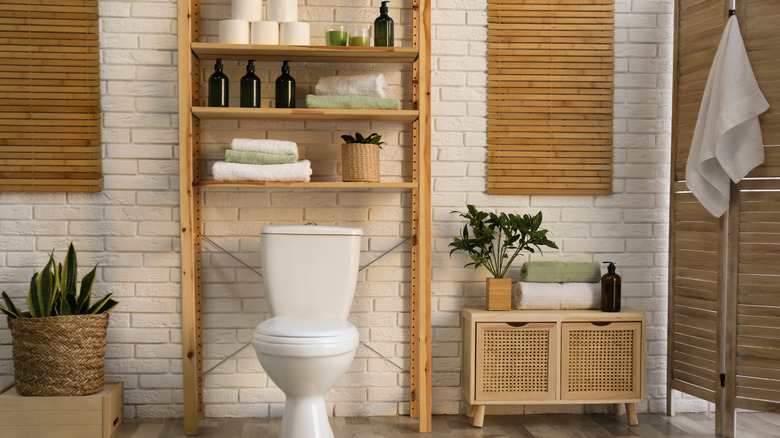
[(190, 52)]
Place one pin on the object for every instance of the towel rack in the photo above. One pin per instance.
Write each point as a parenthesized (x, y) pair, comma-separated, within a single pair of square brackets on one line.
[(732, 7)]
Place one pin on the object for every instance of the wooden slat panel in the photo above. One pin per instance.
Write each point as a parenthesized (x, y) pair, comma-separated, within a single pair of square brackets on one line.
[(550, 92), (49, 85)]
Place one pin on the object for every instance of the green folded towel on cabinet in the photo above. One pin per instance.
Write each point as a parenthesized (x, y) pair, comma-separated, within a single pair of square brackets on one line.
[(561, 272)]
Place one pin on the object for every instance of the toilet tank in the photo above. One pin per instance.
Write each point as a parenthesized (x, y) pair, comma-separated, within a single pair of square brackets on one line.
[(310, 270)]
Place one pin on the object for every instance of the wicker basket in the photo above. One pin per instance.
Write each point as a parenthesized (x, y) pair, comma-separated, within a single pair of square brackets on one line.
[(59, 355), (359, 162)]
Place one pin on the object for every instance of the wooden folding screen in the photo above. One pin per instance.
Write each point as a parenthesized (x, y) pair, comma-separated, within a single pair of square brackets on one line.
[(49, 96), (724, 275), (550, 92)]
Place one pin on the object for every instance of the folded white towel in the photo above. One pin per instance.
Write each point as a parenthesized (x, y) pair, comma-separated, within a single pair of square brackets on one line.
[(727, 142), (300, 171), (374, 85), (264, 145), (557, 296)]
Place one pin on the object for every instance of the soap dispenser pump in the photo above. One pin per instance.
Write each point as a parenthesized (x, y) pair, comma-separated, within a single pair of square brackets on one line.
[(285, 88), (383, 28), (250, 87), (218, 87), (610, 290)]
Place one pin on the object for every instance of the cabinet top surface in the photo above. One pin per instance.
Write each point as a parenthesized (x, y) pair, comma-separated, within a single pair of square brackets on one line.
[(626, 313)]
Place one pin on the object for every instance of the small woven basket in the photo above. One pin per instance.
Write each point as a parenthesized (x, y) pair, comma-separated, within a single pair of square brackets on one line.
[(59, 355), (359, 162)]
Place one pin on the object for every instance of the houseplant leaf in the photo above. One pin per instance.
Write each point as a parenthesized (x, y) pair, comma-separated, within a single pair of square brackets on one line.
[(85, 293), (69, 272), (9, 308), (102, 305)]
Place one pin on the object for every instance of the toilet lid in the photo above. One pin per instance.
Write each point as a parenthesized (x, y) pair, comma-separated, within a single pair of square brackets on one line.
[(289, 329)]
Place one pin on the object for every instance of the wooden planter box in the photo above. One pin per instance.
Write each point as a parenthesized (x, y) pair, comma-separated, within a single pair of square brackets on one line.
[(87, 416)]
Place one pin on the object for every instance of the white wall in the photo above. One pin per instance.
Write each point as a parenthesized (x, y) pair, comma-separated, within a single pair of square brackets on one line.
[(131, 228)]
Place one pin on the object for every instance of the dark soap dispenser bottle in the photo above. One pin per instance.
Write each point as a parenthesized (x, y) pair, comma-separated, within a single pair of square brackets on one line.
[(218, 87), (383, 28), (285, 88), (610, 290), (250, 87)]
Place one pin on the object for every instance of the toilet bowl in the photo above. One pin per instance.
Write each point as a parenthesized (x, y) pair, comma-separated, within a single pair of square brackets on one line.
[(305, 362), (307, 344)]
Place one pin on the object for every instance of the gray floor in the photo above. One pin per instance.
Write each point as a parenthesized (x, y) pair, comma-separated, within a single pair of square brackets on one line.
[(749, 425)]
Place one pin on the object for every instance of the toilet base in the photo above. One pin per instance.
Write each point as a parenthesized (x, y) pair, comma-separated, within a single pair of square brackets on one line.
[(305, 417)]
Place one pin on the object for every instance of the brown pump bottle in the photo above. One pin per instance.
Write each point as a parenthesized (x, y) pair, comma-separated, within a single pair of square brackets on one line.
[(610, 290)]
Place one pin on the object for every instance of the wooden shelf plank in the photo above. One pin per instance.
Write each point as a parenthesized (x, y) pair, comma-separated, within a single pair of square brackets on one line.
[(258, 52), (309, 185), (306, 114)]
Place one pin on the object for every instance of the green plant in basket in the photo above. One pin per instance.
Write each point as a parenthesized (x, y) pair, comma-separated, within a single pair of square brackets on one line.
[(374, 138), (52, 292), (496, 239)]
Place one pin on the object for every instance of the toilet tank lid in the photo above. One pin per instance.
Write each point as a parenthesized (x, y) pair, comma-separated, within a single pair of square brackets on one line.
[(311, 229)]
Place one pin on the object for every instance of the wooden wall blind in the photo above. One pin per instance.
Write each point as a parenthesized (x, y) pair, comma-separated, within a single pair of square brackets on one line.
[(50, 94), (550, 89), (724, 273)]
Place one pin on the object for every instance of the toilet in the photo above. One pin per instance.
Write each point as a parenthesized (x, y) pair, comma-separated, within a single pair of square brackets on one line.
[(309, 272)]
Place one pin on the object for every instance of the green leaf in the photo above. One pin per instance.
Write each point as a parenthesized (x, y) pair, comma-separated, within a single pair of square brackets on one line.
[(103, 305), (69, 272), (9, 308), (85, 294), (32, 297), (46, 289)]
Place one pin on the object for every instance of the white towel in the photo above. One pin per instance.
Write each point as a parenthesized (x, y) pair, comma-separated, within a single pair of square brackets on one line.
[(557, 296), (727, 142), (264, 145), (300, 171), (374, 85)]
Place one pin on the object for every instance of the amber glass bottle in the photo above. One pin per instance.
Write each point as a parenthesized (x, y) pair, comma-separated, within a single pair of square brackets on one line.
[(610, 290)]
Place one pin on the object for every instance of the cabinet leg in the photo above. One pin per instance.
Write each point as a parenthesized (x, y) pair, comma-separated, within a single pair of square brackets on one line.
[(479, 416), (470, 411), (631, 413), (617, 409)]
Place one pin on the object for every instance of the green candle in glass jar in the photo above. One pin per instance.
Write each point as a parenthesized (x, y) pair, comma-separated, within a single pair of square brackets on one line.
[(335, 35), (359, 41)]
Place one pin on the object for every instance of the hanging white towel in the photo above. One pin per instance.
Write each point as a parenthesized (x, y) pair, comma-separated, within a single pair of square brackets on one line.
[(374, 85), (727, 142), (268, 146), (300, 171)]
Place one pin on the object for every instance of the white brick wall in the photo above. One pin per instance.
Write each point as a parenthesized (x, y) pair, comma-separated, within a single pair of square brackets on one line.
[(131, 228)]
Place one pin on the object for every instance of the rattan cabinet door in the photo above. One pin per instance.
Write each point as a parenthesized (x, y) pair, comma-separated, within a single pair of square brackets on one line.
[(601, 361), (516, 361)]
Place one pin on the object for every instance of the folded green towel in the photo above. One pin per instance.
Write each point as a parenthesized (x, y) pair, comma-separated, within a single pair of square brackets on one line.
[(560, 272), (352, 102), (248, 157)]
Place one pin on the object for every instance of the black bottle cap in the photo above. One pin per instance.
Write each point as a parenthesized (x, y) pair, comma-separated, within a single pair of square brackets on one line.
[(383, 9), (218, 65), (250, 66), (611, 267), (286, 67)]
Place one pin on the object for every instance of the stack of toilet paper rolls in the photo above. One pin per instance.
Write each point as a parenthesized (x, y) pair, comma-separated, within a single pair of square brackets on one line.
[(247, 25)]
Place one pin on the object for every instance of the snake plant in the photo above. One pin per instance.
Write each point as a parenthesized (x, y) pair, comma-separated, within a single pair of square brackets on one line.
[(53, 292)]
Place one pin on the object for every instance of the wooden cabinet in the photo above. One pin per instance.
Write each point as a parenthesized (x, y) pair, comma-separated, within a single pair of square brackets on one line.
[(552, 357), (191, 52)]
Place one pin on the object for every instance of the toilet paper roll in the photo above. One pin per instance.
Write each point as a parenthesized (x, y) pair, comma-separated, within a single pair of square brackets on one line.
[(248, 10), (294, 33), (282, 10), (234, 32), (265, 32)]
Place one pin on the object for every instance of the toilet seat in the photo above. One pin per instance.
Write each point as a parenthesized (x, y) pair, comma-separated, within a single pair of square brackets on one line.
[(305, 337)]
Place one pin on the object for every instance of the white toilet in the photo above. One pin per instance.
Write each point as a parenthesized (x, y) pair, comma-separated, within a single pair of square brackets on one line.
[(309, 272)]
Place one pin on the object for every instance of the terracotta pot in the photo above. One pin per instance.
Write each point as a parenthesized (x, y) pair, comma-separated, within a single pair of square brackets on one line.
[(499, 293)]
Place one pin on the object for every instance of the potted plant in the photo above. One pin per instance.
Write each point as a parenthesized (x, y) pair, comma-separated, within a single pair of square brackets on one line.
[(360, 157), (494, 242), (59, 344)]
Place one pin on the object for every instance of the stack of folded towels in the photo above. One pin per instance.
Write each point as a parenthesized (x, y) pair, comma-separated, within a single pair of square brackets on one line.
[(352, 92), (558, 285), (262, 160)]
